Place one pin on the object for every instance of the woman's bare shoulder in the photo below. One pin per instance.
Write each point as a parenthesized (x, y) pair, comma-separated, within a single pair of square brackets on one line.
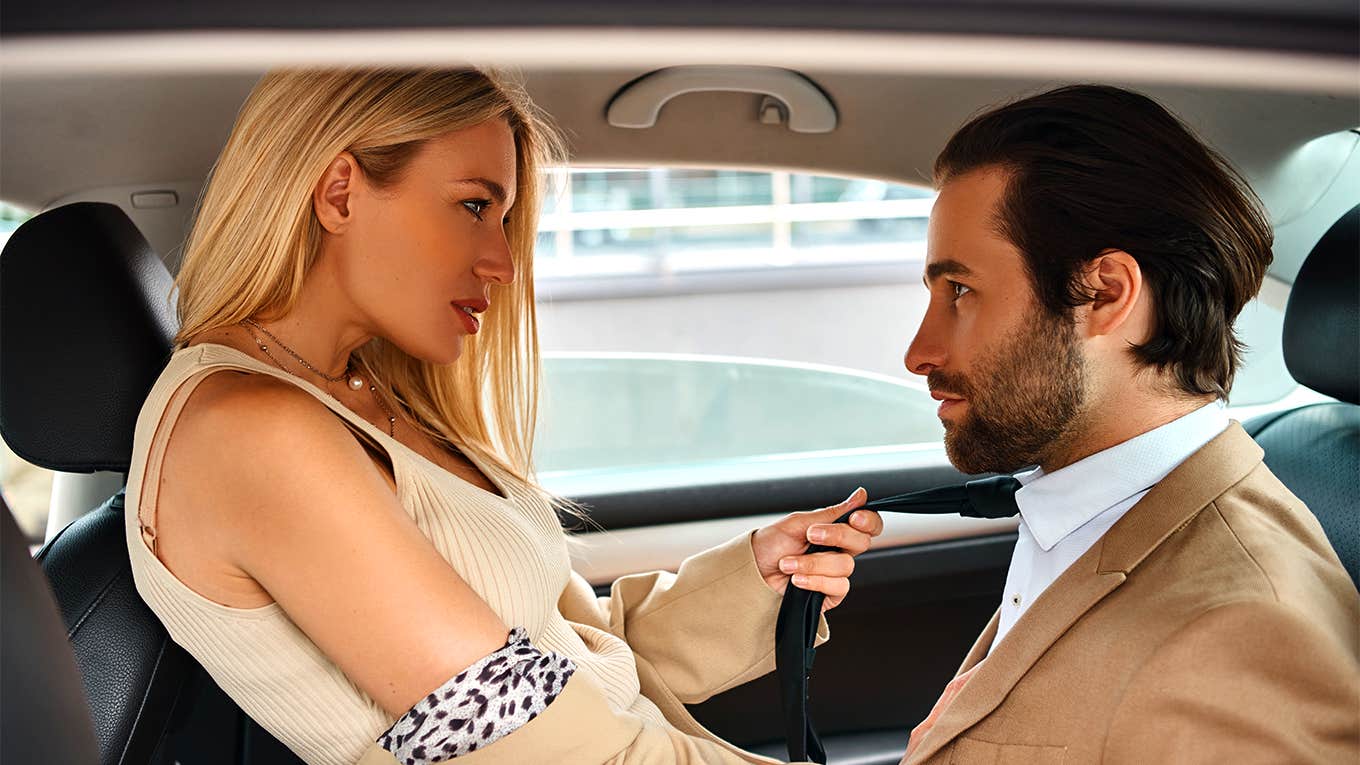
[(302, 512), (236, 398), (239, 425), (214, 478), (231, 401)]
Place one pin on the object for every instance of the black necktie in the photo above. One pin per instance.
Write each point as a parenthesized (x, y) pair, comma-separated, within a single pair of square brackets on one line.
[(796, 627)]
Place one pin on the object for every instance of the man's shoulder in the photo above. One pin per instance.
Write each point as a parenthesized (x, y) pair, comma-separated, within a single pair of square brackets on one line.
[(1281, 537), (1248, 671), (1257, 547)]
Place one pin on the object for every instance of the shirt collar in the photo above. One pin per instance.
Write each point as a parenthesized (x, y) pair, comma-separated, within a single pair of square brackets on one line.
[(1055, 504)]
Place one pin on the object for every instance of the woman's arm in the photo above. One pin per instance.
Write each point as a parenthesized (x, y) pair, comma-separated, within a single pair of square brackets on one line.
[(301, 509), (579, 728), (710, 626), (306, 513)]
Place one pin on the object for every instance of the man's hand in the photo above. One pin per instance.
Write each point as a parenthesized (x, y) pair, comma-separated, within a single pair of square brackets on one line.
[(779, 547)]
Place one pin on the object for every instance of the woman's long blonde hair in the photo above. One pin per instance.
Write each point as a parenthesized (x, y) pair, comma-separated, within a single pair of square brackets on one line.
[(255, 235)]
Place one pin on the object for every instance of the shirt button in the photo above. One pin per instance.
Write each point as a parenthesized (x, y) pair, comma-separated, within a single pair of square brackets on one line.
[(1015, 599)]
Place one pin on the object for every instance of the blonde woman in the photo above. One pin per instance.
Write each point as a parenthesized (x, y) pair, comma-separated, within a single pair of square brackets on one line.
[(332, 505)]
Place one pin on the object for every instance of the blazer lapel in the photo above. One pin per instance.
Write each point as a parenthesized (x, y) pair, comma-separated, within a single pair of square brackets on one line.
[(1070, 596), (1170, 504), (982, 644)]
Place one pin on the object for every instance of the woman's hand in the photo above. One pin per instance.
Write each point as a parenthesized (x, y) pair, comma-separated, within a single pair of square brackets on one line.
[(779, 547)]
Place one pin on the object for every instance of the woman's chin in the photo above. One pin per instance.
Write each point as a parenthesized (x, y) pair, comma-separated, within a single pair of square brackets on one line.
[(446, 350), (450, 352)]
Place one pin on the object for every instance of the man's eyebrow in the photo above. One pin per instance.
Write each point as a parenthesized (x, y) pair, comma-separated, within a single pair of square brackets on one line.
[(496, 190), (946, 268)]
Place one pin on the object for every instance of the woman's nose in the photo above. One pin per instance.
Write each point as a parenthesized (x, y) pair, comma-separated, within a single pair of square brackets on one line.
[(497, 263)]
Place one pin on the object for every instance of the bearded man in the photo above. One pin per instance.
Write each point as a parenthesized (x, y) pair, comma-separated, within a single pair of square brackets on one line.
[(1168, 600)]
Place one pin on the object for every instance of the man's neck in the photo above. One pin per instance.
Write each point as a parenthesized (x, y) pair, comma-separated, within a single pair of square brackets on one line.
[(1112, 422)]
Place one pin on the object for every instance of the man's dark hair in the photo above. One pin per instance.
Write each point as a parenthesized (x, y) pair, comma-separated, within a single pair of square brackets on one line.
[(1093, 168)]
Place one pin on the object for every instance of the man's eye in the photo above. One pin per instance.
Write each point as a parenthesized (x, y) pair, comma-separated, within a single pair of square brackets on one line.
[(959, 289), (477, 206)]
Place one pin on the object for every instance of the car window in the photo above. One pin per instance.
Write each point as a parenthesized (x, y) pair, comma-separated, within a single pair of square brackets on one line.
[(1263, 377), (697, 319), (665, 223), (25, 488), (704, 323), (652, 410)]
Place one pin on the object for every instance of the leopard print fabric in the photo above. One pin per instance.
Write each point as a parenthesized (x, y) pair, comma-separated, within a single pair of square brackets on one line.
[(502, 691)]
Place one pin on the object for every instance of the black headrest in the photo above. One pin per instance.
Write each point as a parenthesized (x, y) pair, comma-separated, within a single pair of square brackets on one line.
[(86, 324), (1322, 320)]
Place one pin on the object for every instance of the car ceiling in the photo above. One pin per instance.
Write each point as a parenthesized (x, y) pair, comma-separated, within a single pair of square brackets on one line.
[(70, 130), (1316, 26)]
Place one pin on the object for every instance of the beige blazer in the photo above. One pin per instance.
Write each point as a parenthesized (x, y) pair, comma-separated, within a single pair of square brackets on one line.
[(707, 628), (1213, 623)]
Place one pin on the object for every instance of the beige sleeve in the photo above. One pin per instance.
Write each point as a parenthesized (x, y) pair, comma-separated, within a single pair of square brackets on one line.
[(1244, 682), (579, 728), (706, 628)]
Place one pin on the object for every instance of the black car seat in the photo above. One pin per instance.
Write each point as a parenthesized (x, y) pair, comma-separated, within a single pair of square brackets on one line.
[(1315, 449), (43, 714), (85, 328)]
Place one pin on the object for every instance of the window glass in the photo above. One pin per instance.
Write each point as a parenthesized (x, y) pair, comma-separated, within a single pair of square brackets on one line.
[(1263, 376), (775, 355), (11, 216), (24, 487), (662, 221), (26, 490), (645, 410), (752, 366)]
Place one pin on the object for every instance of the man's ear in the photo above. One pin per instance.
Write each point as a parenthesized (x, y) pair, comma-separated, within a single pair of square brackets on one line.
[(1115, 283), (332, 195)]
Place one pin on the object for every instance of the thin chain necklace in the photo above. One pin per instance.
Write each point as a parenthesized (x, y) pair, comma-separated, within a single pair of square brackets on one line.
[(353, 380)]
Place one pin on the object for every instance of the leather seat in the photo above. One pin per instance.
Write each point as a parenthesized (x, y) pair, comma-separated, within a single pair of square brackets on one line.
[(85, 328), (43, 714), (1315, 449)]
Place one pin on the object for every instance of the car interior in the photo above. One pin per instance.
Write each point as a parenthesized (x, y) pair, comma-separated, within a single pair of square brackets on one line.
[(114, 143)]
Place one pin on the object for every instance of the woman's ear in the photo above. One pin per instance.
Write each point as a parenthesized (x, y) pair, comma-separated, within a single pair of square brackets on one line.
[(332, 195), (1115, 282)]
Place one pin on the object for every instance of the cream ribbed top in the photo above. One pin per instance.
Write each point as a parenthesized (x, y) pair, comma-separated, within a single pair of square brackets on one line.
[(511, 550)]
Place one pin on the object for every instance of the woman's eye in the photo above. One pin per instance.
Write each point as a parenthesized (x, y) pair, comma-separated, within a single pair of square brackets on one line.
[(477, 206), (959, 289)]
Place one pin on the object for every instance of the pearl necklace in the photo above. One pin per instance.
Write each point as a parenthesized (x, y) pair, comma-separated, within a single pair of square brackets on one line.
[(349, 377)]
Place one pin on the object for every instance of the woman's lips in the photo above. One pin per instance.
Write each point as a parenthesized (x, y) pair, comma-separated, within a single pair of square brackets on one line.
[(470, 322)]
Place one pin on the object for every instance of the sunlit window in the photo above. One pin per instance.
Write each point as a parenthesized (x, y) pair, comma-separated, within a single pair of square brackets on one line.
[(26, 490), (11, 216), (24, 487), (672, 221), (741, 323)]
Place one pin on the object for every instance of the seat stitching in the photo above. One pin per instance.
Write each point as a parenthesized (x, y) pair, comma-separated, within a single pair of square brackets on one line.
[(1281, 415), (141, 707), (103, 591)]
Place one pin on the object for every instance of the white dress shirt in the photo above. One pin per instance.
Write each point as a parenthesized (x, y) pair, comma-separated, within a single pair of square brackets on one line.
[(1064, 512)]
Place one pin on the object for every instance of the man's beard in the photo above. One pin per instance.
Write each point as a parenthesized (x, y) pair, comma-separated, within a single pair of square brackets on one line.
[(1024, 397)]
